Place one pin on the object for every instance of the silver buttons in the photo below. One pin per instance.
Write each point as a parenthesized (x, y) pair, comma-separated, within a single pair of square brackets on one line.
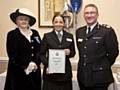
[(32, 47), (96, 42), (32, 54), (84, 64), (86, 39), (85, 47), (101, 68), (32, 40), (84, 56)]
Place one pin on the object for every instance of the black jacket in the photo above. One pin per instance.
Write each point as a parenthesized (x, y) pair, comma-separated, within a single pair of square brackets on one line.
[(21, 52), (98, 51), (50, 41)]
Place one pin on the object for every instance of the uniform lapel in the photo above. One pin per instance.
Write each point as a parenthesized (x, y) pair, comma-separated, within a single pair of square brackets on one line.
[(22, 38), (83, 32), (63, 37), (95, 29)]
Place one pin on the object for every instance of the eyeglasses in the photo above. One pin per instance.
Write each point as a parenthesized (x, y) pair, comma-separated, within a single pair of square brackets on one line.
[(90, 13)]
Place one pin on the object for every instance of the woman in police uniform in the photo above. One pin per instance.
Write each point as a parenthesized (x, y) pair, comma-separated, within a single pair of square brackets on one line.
[(57, 81)]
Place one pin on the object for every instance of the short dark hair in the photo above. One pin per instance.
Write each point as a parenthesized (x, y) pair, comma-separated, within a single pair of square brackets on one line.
[(56, 15), (92, 5)]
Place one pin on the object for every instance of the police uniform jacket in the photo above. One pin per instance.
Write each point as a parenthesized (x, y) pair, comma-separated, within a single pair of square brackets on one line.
[(98, 51), (51, 41)]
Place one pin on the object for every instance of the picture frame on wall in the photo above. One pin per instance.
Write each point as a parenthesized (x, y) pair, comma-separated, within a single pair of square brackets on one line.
[(47, 9)]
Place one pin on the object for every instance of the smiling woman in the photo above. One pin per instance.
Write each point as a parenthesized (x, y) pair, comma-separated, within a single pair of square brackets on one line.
[(22, 46)]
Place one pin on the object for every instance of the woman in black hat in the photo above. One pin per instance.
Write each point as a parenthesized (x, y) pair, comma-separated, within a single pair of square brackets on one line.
[(23, 44)]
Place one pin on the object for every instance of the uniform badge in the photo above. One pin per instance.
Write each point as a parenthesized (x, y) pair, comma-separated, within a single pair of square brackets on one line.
[(37, 39), (69, 39), (80, 39), (97, 37)]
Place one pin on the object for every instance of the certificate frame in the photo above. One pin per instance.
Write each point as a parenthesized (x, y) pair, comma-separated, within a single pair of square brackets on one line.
[(56, 61)]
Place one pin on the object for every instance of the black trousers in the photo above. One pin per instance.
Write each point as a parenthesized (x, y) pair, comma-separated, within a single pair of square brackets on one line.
[(82, 87)]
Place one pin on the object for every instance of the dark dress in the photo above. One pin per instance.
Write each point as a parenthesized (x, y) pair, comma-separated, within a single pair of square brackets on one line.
[(57, 81), (21, 52)]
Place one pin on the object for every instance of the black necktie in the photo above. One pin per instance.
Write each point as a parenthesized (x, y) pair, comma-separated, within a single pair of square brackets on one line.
[(59, 36), (89, 30)]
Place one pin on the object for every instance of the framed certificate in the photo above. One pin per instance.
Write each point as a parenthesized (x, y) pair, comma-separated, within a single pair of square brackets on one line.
[(56, 63)]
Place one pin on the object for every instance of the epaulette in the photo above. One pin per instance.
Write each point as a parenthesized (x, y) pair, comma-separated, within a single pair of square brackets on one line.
[(105, 25)]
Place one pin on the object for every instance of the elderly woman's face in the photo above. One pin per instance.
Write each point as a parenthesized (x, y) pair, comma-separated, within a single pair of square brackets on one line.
[(58, 23), (22, 21)]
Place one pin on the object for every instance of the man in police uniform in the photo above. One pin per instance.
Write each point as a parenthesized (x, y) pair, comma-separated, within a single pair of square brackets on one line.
[(98, 49)]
